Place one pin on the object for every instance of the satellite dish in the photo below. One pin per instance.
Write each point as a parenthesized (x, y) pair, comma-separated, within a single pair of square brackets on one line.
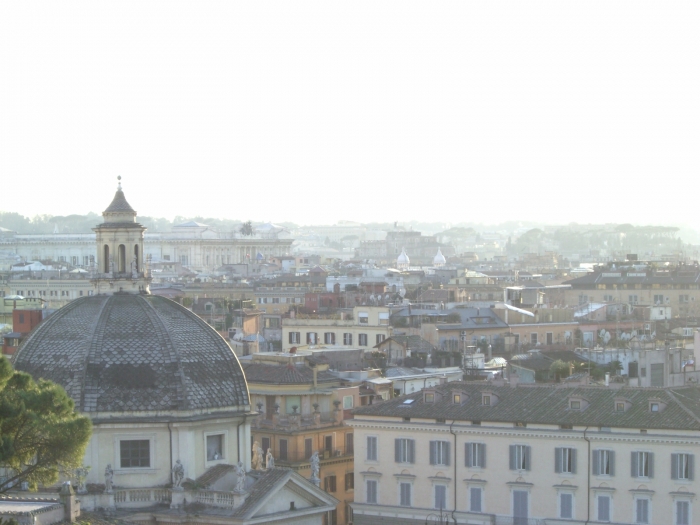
[(602, 333), (607, 337)]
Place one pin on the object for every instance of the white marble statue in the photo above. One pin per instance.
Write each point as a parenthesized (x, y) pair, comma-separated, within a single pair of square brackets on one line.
[(270, 460), (257, 461), (315, 465), (109, 477), (178, 475), (240, 473)]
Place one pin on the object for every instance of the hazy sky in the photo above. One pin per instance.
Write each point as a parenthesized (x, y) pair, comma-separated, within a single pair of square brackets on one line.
[(365, 110)]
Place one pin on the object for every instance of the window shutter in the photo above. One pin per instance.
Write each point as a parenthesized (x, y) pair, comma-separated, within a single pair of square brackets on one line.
[(475, 499), (674, 466), (573, 460), (691, 467), (603, 508), (566, 506), (651, 464), (595, 466), (611, 455), (527, 457), (291, 340), (635, 464), (397, 450), (468, 460), (482, 456), (512, 458), (371, 491), (447, 453), (433, 446), (411, 451), (557, 460)]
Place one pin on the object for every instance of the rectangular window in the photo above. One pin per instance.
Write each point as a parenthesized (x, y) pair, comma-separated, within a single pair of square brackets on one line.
[(475, 455), (380, 338), (347, 402), (371, 448), (566, 506), (440, 453), (347, 339), (519, 457), (283, 450), (349, 443), (135, 453), (565, 460), (329, 484), (642, 511), (682, 513), (349, 481), (329, 338), (308, 447), (311, 338), (603, 508), (475, 499), (404, 450), (533, 338), (294, 338), (363, 318), (440, 496), (405, 494), (371, 485), (265, 442), (362, 339), (642, 465), (603, 463), (215, 447), (291, 402), (682, 466)]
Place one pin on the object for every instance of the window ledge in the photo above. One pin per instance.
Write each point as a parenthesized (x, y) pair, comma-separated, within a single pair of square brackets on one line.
[(565, 487), (477, 481), (406, 476), (642, 491), (136, 470)]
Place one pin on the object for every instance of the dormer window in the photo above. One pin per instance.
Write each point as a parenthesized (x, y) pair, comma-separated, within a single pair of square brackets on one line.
[(456, 399), (656, 405), (575, 405), (578, 403), (429, 398), (486, 400), (619, 406)]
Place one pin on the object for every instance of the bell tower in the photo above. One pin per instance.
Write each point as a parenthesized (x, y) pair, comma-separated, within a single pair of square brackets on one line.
[(120, 255)]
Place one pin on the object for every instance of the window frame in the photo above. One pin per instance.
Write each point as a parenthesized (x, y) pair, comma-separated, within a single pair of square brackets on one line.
[(437, 486), (565, 460), (678, 464), (560, 507), (520, 457), (224, 442), (409, 486), (481, 499), (475, 455), (371, 448), (439, 453), (597, 508), (637, 501), (374, 482), (118, 438), (642, 464), (405, 451)]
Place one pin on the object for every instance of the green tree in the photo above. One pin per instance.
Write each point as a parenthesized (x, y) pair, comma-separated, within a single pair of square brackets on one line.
[(40, 432)]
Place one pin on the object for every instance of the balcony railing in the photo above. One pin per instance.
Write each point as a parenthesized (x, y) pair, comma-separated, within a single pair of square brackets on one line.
[(142, 497), (303, 457), (293, 421)]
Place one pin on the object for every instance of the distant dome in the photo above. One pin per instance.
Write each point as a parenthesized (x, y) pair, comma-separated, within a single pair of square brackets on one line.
[(134, 353), (402, 260), (439, 259)]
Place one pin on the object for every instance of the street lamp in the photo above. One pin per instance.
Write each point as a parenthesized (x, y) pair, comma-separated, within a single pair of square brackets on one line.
[(442, 518)]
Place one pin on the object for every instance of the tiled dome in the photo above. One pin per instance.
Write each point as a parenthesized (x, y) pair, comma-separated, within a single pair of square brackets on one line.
[(134, 353)]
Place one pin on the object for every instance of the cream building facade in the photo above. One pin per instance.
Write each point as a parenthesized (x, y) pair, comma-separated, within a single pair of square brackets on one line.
[(368, 327), (489, 454)]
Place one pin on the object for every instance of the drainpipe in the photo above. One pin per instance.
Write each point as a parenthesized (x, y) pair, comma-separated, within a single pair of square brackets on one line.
[(238, 439), (170, 431), (454, 456), (588, 484)]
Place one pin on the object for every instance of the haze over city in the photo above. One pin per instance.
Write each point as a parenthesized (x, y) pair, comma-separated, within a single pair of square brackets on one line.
[(373, 112)]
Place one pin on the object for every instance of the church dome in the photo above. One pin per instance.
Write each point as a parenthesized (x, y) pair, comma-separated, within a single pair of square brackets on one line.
[(135, 353), (402, 261), (439, 259)]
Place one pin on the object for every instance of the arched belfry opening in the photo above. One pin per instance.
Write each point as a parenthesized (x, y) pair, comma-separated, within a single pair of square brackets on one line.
[(105, 258)]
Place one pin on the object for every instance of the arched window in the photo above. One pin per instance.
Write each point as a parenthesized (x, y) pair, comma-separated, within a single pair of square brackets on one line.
[(122, 259), (105, 259), (136, 258)]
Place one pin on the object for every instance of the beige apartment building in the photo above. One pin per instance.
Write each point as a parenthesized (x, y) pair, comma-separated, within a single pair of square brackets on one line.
[(368, 327), (499, 454)]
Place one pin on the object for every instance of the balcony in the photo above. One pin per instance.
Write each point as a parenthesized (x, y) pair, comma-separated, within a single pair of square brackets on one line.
[(291, 422), (292, 457)]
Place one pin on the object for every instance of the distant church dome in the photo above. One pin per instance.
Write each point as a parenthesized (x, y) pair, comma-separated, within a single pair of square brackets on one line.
[(402, 261), (130, 353), (439, 259)]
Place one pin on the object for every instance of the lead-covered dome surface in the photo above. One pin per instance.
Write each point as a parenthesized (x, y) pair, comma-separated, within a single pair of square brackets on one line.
[(133, 353)]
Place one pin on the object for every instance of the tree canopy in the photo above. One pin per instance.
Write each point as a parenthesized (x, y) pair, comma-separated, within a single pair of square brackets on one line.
[(40, 432)]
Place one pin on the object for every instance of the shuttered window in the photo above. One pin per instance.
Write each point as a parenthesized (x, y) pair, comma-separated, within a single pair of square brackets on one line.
[(404, 450), (603, 463), (371, 485), (565, 460), (682, 513), (440, 496), (440, 453), (283, 450), (519, 457), (642, 511), (642, 464), (475, 455), (566, 506), (603, 508), (683, 466), (405, 494), (475, 499), (371, 448)]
